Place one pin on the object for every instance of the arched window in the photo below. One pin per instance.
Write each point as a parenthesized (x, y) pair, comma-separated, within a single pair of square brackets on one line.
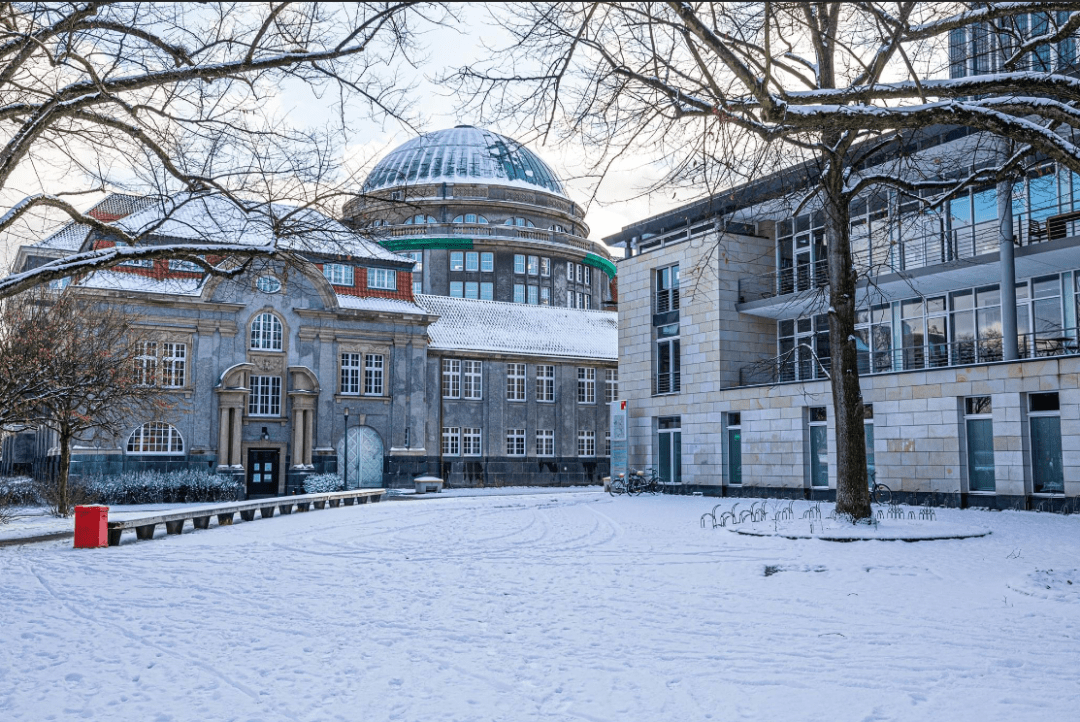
[(266, 333), (470, 218), (520, 222), (378, 223), (558, 229), (420, 219), (155, 437)]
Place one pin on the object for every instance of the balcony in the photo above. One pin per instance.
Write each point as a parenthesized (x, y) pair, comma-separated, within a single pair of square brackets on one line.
[(390, 236), (801, 364)]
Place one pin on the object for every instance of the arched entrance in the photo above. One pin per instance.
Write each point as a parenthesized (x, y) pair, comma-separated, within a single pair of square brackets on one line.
[(365, 462)]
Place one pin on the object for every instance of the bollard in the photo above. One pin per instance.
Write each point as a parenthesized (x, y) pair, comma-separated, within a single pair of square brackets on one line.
[(91, 527)]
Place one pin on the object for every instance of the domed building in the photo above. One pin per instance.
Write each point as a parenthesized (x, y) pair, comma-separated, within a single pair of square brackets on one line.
[(484, 218)]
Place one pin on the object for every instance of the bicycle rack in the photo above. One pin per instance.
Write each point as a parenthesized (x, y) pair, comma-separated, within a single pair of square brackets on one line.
[(707, 514)]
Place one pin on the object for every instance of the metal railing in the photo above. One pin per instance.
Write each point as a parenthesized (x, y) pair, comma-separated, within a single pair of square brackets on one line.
[(666, 300), (800, 364), (489, 230)]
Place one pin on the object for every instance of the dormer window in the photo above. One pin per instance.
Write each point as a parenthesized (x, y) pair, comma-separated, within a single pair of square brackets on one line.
[(338, 274), (382, 278)]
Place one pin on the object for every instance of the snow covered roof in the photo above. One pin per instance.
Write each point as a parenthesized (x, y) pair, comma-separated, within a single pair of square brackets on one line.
[(517, 328), (114, 206), (70, 237), (216, 219), (463, 155), (381, 305), (125, 281)]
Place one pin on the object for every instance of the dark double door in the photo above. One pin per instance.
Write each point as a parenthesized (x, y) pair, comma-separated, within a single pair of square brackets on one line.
[(263, 470)]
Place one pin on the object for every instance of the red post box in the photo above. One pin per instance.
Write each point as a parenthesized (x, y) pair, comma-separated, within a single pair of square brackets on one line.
[(91, 527)]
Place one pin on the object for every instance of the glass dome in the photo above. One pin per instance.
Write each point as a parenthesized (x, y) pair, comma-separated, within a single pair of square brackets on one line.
[(463, 155)]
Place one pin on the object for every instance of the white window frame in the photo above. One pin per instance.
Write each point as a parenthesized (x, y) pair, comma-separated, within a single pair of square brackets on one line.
[(374, 374), (173, 365), (487, 262), (611, 385), (519, 264), (339, 274), (532, 266), (545, 296), (471, 441), (487, 291), (472, 290), (451, 441), (586, 389), (515, 442), (146, 363), (545, 267), (472, 261), (519, 293), (451, 378), (533, 297), (472, 380), (352, 373), (586, 442), (457, 289), (267, 333), (384, 279), (457, 260), (545, 442), (569, 270), (588, 276), (515, 382), (545, 384), (264, 396), (155, 438)]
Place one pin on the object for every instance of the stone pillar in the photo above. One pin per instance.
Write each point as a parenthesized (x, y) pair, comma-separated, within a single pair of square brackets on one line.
[(298, 445), (1009, 348), (223, 438), (309, 423), (237, 420)]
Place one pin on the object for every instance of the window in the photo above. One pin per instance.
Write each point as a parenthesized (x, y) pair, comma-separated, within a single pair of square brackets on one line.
[(155, 437), (588, 276), (457, 289), (472, 379), (397, 195), (519, 293), (580, 300), (146, 363), (470, 442), (669, 453), (515, 382), (59, 284), (472, 289), (384, 278), (519, 263), (451, 378), (545, 296), (1044, 419), (451, 441), (515, 442), (138, 263), (819, 447), (185, 266), (173, 365), (264, 399), (588, 302), (338, 274), (533, 266), (373, 374), (734, 449), (586, 386), (545, 442), (545, 267), (472, 261), (980, 443), (868, 437), (607, 443), (545, 384), (350, 374), (266, 333), (470, 218), (487, 262), (580, 273), (520, 222), (417, 271), (570, 302), (611, 385), (534, 295), (268, 284), (569, 270), (457, 261), (668, 376), (487, 291), (667, 290), (419, 220), (586, 443)]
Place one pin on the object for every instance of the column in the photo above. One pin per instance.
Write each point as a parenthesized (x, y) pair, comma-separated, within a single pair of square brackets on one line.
[(298, 445), (309, 423), (223, 437), (234, 455)]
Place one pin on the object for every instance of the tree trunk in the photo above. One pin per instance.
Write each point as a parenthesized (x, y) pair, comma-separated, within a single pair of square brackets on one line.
[(63, 495)]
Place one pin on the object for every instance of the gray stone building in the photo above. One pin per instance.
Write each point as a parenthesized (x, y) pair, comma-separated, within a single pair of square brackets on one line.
[(269, 371), (724, 349)]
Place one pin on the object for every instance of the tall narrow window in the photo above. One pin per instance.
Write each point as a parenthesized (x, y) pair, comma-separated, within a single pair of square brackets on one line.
[(472, 261), (266, 333), (472, 289), (519, 263), (173, 365), (472, 379), (457, 261), (470, 442), (487, 291), (545, 442), (487, 262), (519, 293), (545, 296), (734, 449), (588, 276), (586, 386), (545, 384), (264, 399), (457, 289), (569, 270), (980, 443), (350, 374), (545, 267), (373, 374), (868, 436), (451, 441), (1044, 418), (534, 295), (451, 378), (611, 388), (146, 363), (819, 447), (668, 375), (586, 443), (515, 382), (669, 451), (533, 266), (515, 442), (667, 290)]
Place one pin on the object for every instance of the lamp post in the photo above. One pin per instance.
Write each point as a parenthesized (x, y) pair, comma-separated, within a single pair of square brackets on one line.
[(345, 473)]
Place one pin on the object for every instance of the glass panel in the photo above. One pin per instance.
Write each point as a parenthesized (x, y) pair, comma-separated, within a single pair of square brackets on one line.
[(1046, 465), (664, 455), (871, 467), (676, 457), (734, 456), (980, 445), (819, 456)]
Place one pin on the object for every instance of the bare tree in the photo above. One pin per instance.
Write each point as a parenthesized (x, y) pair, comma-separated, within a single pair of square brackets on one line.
[(726, 92), (189, 98), (73, 365)]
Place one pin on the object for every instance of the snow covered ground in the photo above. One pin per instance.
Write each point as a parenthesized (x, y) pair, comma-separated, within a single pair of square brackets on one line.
[(573, 606)]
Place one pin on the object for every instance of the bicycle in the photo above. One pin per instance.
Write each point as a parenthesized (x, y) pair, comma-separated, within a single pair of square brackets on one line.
[(880, 493), (618, 485), (645, 480)]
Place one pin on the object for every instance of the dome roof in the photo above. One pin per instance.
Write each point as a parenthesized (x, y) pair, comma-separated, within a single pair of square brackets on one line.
[(463, 155)]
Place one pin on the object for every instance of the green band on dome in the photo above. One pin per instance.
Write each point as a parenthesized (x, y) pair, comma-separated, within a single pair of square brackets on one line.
[(603, 264), (418, 244)]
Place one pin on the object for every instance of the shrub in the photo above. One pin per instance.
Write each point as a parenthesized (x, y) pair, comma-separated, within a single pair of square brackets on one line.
[(154, 487), (321, 483)]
